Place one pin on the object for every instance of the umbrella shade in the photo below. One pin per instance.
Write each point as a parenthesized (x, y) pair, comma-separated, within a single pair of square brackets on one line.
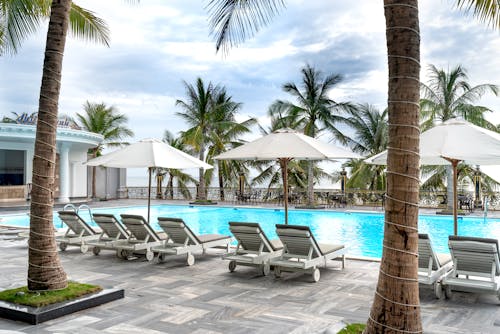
[(284, 145), (149, 153), (287, 143), (451, 142)]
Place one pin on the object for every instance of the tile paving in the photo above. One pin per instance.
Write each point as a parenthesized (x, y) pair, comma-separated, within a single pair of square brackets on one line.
[(206, 298)]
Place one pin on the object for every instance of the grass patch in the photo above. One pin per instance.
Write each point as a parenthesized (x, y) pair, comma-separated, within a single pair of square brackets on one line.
[(22, 296), (353, 329)]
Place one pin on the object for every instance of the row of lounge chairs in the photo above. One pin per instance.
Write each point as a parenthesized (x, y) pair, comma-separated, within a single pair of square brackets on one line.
[(296, 250), (472, 266)]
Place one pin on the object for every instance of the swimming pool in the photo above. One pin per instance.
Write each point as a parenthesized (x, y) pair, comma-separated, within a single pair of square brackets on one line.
[(362, 233)]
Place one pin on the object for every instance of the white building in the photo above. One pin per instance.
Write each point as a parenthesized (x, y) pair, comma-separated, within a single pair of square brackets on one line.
[(17, 143)]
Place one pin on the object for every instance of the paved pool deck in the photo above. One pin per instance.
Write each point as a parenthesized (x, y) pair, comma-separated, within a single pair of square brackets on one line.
[(206, 298)]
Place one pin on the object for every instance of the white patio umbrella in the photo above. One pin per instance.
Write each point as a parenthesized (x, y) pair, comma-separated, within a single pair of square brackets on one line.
[(284, 145), (149, 153), (451, 142)]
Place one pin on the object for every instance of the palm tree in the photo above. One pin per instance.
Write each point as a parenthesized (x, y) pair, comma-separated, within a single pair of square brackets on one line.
[(449, 95), (396, 300), (314, 110), (370, 137), (44, 271), (22, 18), (183, 179), (198, 109), (225, 135), (109, 123)]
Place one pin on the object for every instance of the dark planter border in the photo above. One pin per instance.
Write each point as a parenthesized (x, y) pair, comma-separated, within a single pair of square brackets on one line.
[(36, 315)]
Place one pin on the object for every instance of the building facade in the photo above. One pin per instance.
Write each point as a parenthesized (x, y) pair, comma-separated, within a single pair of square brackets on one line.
[(17, 142)]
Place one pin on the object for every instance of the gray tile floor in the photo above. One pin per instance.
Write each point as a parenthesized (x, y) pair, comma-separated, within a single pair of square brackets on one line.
[(206, 298)]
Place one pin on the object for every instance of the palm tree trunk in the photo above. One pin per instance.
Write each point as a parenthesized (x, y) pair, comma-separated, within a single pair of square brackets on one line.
[(201, 185), (94, 178), (171, 186), (310, 182), (45, 271), (396, 305), (221, 181)]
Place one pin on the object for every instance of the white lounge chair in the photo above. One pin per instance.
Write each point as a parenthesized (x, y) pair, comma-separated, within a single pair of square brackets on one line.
[(141, 239), (78, 232), (253, 249), (112, 230), (302, 253), (431, 266), (182, 240), (476, 266)]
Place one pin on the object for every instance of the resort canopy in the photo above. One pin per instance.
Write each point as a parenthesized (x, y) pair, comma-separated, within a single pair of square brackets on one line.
[(451, 142), (148, 153), (284, 145)]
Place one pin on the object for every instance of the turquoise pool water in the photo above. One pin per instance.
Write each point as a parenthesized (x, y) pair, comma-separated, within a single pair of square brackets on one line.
[(361, 232)]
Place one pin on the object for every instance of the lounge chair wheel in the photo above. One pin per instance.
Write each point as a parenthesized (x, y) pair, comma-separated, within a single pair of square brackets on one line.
[(277, 272), (232, 265), (161, 257), (96, 250), (122, 254), (315, 275), (150, 255), (447, 292), (119, 253), (190, 259), (63, 246), (84, 248), (438, 290), (266, 269)]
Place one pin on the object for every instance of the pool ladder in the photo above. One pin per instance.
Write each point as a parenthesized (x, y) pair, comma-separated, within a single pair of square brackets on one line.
[(74, 208)]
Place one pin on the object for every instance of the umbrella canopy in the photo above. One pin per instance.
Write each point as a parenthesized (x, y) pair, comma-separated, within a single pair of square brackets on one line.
[(451, 142), (284, 145), (149, 153)]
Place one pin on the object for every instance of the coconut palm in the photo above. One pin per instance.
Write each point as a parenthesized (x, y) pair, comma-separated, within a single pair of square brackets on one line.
[(226, 135), (181, 179), (447, 95), (20, 19), (370, 137), (45, 271), (314, 111), (108, 122)]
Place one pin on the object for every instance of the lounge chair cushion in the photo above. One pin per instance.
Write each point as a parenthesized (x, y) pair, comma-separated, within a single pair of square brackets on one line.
[(276, 243), (329, 248), (443, 258), (211, 237), (254, 228)]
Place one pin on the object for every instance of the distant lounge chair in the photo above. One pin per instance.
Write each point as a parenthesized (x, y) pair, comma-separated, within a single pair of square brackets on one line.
[(253, 249), (112, 230), (302, 253), (476, 266), (78, 232), (141, 239), (431, 266), (182, 240)]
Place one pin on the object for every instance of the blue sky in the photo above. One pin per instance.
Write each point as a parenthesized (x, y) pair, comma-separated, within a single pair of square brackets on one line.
[(155, 45)]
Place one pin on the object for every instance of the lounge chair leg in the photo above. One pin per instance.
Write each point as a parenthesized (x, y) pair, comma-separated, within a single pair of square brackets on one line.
[(277, 272), (438, 290), (265, 269), (343, 261), (447, 292)]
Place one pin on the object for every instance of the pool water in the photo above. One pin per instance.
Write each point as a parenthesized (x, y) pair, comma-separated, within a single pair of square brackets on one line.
[(362, 233)]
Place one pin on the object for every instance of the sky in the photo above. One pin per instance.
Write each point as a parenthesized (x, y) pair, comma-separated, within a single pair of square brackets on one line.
[(158, 45)]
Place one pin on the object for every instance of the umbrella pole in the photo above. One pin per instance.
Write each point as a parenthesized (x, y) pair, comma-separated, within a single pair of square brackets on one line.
[(454, 164), (149, 191), (284, 173)]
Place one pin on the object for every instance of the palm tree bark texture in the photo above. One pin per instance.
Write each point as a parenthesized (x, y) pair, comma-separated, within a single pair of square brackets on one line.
[(45, 271), (396, 305)]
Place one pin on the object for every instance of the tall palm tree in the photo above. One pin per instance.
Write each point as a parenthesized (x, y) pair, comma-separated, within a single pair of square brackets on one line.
[(447, 95), (198, 110), (44, 271), (370, 137), (396, 303), (21, 18), (109, 123), (176, 175), (226, 135), (314, 111)]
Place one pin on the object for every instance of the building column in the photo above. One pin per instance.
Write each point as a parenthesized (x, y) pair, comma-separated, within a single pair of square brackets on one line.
[(64, 173)]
